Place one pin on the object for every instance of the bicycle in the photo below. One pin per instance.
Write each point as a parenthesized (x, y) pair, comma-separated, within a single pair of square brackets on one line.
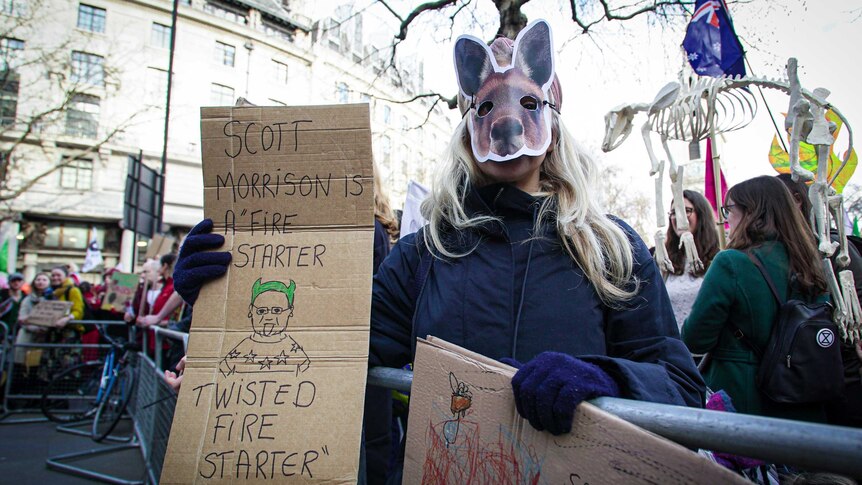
[(100, 390)]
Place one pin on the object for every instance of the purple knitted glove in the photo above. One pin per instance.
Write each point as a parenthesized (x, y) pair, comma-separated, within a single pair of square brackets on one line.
[(195, 265), (549, 388)]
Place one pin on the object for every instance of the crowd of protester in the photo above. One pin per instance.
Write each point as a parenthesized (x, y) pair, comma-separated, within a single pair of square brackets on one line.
[(155, 303)]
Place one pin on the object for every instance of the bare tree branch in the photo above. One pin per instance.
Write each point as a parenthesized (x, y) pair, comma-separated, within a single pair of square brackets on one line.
[(7, 194), (609, 13), (512, 20)]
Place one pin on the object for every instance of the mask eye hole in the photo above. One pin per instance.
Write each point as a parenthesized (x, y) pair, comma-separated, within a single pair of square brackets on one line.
[(530, 103), (484, 109)]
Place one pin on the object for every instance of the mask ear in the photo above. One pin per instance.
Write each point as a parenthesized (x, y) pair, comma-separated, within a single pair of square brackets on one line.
[(473, 64), (533, 53)]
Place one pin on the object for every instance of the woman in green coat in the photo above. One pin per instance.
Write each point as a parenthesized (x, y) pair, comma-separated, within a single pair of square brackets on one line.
[(764, 221)]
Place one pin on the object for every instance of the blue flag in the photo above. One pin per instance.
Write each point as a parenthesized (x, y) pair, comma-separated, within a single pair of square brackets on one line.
[(710, 41)]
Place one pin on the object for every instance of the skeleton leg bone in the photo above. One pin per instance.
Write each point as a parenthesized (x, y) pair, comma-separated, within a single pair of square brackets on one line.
[(840, 314), (820, 205), (645, 132), (836, 207), (660, 220), (686, 239), (851, 300), (800, 114), (661, 256)]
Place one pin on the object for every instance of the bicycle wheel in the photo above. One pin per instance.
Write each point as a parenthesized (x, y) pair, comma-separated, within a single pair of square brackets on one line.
[(71, 394), (113, 403)]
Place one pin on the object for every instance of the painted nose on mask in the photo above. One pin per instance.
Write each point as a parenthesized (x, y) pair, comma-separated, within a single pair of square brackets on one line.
[(506, 129)]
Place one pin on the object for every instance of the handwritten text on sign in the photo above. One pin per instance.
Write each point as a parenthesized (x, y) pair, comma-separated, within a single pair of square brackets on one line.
[(278, 349)]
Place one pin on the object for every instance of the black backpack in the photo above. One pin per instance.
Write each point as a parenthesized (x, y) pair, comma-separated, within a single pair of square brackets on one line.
[(802, 360)]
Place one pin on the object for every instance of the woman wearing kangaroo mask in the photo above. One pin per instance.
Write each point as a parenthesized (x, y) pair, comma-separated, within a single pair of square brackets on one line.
[(519, 261)]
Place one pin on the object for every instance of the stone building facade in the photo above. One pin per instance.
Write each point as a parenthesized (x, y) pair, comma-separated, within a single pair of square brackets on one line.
[(106, 63)]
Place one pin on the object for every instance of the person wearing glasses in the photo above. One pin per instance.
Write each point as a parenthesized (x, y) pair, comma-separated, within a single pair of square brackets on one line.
[(763, 222), (684, 282), (269, 348)]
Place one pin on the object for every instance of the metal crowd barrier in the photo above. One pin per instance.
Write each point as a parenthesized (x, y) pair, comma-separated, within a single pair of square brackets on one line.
[(153, 422), (162, 335), (808, 446), (151, 408), (30, 366)]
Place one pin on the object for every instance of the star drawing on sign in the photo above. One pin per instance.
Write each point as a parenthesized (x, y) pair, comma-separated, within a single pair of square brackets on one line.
[(281, 358), (231, 371), (265, 363), (233, 354), (295, 348), (249, 357)]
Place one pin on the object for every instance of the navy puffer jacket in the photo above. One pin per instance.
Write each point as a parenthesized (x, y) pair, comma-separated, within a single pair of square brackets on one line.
[(517, 296)]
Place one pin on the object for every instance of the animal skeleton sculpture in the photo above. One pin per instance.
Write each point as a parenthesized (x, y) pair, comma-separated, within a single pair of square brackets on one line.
[(706, 107)]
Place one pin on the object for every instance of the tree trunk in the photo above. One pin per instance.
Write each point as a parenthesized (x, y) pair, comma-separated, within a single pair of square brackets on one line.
[(511, 18)]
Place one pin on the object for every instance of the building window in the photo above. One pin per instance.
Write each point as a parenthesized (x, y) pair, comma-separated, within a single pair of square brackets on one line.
[(91, 18), (64, 235), (341, 93), (14, 8), (157, 85), (225, 54), (221, 95), (10, 50), (387, 114), (386, 148), (88, 68), (280, 70), (82, 116), (10, 53), (160, 36), (9, 84), (274, 30), (76, 174), (227, 12)]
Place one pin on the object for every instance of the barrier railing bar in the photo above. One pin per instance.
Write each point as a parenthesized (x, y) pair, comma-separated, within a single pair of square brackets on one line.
[(55, 463), (72, 429), (806, 445)]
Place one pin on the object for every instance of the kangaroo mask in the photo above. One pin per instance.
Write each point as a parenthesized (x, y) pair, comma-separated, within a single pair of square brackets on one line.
[(509, 114)]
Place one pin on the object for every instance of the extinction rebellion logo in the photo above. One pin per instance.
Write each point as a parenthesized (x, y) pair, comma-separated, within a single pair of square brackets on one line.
[(825, 337)]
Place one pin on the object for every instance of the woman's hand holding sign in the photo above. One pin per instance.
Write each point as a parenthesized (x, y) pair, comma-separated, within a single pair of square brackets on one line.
[(196, 264), (550, 386)]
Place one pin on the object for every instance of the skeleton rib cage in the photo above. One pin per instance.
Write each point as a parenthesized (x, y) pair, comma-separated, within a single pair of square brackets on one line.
[(706, 107)]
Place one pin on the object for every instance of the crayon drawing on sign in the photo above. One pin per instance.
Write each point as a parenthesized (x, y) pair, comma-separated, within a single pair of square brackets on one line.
[(458, 452), (269, 348)]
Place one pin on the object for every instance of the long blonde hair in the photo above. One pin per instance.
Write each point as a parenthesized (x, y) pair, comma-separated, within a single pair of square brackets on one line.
[(597, 244), (382, 210)]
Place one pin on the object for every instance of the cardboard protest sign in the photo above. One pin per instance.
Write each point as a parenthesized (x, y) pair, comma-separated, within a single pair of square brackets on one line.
[(160, 245), (277, 357), (464, 429), (121, 290), (46, 312)]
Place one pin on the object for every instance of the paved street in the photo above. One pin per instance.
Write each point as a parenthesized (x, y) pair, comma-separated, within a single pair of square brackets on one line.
[(25, 447)]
